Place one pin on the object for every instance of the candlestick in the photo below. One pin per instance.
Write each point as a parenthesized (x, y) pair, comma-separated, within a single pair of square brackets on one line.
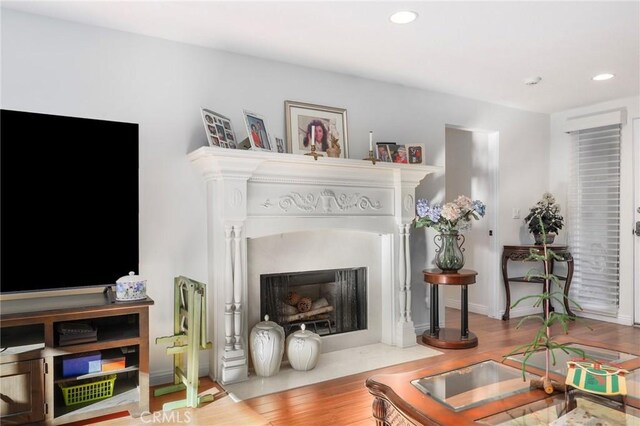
[(313, 145), (371, 157), (313, 135)]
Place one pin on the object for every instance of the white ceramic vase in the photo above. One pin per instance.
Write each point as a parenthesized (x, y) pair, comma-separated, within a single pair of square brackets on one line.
[(303, 349), (267, 347)]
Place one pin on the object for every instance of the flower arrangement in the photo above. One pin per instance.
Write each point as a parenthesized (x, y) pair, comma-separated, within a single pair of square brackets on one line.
[(453, 216), (545, 216)]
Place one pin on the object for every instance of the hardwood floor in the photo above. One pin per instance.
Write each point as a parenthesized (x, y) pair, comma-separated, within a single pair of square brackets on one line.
[(346, 401)]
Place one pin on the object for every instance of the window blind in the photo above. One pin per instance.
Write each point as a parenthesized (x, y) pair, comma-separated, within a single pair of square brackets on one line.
[(594, 218)]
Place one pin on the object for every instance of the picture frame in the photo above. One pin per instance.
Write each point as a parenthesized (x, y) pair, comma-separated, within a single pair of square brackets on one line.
[(300, 116), (415, 153), (219, 130), (399, 154), (280, 147), (257, 131), (383, 151)]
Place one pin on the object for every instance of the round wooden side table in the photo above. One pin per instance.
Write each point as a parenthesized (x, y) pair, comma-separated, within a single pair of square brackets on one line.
[(449, 338)]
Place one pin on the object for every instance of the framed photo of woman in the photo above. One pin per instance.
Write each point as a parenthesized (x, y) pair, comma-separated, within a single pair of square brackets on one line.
[(329, 125), (257, 130)]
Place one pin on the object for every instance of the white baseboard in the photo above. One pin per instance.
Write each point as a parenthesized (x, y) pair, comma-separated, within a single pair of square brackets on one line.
[(473, 307), (166, 376), (621, 320), (522, 312), (421, 328)]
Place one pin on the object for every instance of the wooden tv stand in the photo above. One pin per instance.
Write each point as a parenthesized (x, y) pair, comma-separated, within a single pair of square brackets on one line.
[(31, 357)]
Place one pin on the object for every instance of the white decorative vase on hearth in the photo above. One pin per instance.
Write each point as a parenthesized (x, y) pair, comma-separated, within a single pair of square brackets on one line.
[(303, 349), (267, 347)]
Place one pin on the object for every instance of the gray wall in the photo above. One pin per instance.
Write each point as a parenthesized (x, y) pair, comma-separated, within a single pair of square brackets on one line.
[(59, 67)]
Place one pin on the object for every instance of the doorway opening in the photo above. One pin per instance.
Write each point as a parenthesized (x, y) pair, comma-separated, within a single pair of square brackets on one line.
[(471, 169)]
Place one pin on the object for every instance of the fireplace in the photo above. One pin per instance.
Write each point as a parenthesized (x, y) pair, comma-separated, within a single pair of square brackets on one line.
[(268, 213), (326, 302)]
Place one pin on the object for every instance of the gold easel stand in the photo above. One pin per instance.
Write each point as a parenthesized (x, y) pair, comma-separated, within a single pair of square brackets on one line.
[(314, 153), (371, 158), (190, 336)]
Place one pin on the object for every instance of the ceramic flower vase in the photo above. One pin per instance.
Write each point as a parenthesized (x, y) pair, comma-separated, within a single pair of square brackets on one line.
[(449, 257), (303, 349), (267, 347)]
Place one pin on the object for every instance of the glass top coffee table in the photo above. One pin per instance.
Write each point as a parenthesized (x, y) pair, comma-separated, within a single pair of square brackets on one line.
[(476, 384), (587, 409), (591, 352), (486, 388)]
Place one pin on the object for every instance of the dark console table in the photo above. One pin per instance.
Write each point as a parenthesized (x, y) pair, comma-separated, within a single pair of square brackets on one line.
[(521, 253), (444, 337)]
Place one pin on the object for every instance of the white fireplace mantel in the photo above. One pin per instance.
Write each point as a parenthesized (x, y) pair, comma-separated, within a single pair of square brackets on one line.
[(252, 194)]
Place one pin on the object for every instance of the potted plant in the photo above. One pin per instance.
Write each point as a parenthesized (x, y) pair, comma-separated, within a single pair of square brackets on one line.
[(545, 216), (543, 339)]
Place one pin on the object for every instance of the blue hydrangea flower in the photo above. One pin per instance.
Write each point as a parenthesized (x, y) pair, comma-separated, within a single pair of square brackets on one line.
[(435, 212), (422, 207), (479, 207)]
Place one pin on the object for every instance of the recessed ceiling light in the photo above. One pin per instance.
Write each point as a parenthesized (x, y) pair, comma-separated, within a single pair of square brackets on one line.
[(403, 17), (532, 81), (602, 77)]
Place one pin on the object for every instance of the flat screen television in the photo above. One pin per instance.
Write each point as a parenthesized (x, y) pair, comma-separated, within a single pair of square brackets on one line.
[(69, 201)]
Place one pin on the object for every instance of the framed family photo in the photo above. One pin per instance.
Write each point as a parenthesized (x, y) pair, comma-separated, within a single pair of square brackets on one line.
[(415, 153), (329, 126), (383, 151), (218, 129), (257, 131), (399, 154)]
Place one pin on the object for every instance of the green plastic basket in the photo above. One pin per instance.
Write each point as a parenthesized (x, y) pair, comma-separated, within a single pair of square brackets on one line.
[(90, 391)]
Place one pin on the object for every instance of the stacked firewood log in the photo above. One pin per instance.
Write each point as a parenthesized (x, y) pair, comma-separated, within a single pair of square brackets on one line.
[(296, 307)]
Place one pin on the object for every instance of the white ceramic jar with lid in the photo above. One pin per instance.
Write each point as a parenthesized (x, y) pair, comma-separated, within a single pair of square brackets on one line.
[(267, 347), (131, 287), (303, 349)]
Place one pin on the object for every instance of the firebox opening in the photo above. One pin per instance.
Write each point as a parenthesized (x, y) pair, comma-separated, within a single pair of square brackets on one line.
[(327, 302)]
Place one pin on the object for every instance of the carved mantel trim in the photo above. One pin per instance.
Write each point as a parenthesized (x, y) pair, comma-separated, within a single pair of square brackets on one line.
[(216, 163)]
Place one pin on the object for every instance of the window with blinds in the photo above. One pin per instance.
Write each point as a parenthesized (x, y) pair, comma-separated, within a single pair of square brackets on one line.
[(594, 218)]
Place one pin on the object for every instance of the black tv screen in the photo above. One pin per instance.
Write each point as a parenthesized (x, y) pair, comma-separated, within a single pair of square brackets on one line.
[(69, 201)]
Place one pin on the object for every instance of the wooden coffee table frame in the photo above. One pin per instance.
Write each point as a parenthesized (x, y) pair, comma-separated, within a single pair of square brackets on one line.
[(397, 401)]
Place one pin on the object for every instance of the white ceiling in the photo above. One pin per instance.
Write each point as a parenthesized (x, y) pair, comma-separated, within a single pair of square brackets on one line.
[(480, 50)]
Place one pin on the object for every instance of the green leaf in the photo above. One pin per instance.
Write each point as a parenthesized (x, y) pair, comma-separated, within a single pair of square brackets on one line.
[(536, 296), (529, 317)]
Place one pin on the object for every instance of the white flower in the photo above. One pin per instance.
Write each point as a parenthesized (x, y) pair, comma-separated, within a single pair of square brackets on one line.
[(450, 211), (333, 130), (464, 202)]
